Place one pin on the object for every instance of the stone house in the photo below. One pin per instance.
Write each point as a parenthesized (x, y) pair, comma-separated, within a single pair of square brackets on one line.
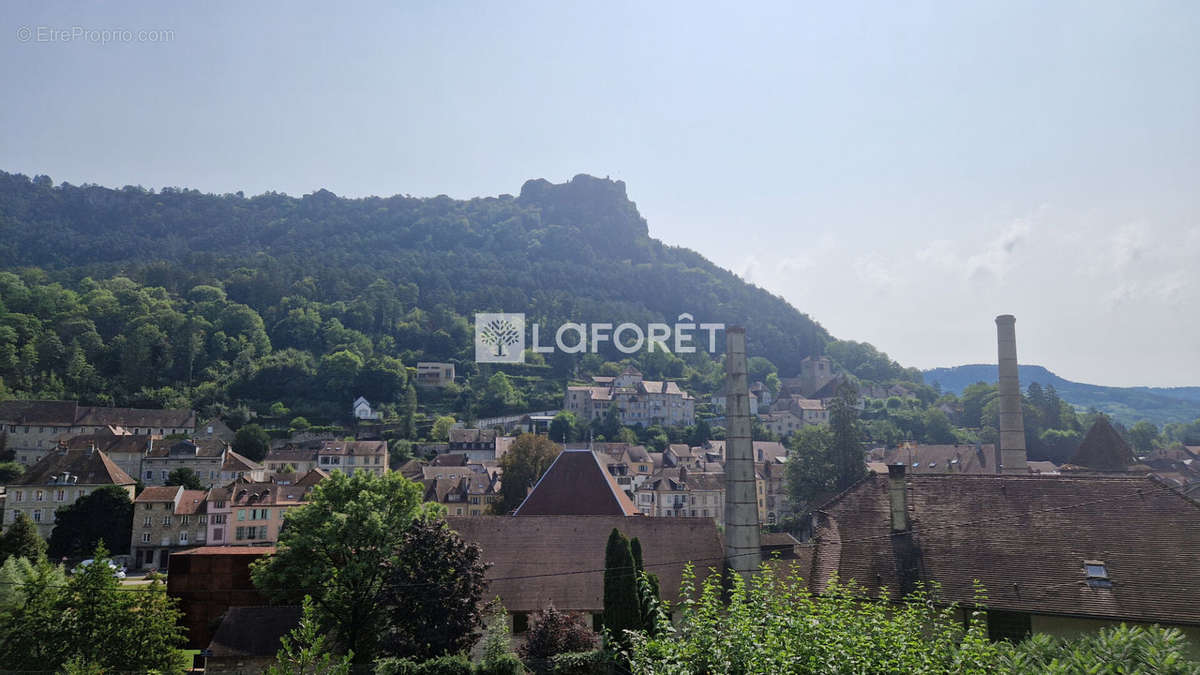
[(59, 479), (167, 519)]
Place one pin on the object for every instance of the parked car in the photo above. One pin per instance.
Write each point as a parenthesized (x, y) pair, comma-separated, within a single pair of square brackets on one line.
[(118, 572)]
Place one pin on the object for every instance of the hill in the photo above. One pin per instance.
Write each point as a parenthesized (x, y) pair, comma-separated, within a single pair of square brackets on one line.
[(1127, 405)]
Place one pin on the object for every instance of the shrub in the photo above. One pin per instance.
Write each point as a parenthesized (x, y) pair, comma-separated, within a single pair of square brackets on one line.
[(596, 662), (450, 664), (556, 632)]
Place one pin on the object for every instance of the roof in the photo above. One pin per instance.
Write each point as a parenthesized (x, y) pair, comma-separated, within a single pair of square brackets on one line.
[(158, 493), (312, 477), (537, 561), (110, 443), (191, 502), (87, 467), (452, 459), (472, 435), (227, 550), (764, 451), (49, 413), (247, 493), (291, 453), (1103, 449), (253, 631), (576, 485), (235, 462), (944, 458), (356, 448), (1025, 538), (211, 448)]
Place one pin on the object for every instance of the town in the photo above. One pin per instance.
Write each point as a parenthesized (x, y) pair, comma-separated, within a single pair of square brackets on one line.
[(1061, 549)]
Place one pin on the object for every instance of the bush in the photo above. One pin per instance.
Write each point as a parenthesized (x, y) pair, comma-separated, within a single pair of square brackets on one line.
[(450, 664), (507, 664), (596, 662), (556, 632)]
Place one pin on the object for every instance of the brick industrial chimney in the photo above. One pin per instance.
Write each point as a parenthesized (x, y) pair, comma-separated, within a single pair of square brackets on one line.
[(1012, 424), (742, 552)]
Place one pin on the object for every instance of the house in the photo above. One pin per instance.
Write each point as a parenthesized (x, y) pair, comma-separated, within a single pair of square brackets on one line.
[(629, 464), (937, 458), (638, 401), (434, 373), (361, 410), (205, 457), (167, 519), (248, 639), (575, 485), (538, 561), (124, 449), (290, 459), (59, 479), (38, 425), (464, 491), (236, 466), (478, 444), (251, 513), (665, 494), (783, 423), (351, 456), (208, 581), (718, 403), (214, 429), (1056, 555)]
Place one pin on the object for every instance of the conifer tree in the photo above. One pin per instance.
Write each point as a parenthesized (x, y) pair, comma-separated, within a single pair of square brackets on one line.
[(622, 609)]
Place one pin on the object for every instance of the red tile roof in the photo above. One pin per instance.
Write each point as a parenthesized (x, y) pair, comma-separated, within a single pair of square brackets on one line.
[(88, 467), (576, 485), (228, 550)]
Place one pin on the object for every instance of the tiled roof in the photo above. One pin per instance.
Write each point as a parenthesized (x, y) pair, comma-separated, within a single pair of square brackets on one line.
[(920, 459), (158, 493), (48, 413), (191, 502), (576, 485), (452, 459), (356, 448), (472, 435), (253, 631), (89, 467), (541, 560), (110, 443), (207, 447), (1025, 538), (290, 453), (1103, 449), (312, 477), (236, 462), (136, 417)]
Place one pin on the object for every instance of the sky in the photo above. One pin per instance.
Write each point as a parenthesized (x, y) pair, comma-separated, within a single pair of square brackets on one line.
[(902, 172)]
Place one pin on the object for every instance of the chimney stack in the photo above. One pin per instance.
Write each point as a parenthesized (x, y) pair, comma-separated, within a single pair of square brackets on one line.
[(742, 551), (1012, 424), (898, 497)]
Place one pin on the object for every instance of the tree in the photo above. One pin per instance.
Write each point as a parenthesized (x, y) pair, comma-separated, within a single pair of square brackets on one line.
[(441, 428), (31, 623), (526, 460), (611, 426), (432, 592), (937, 426), (1142, 437), (622, 607), (562, 427), (10, 472), (649, 599), (553, 633), (408, 411), (306, 650), (186, 477), (105, 515), (252, 441), (847, 458), (335, 548), (810, 471), (22, 540)]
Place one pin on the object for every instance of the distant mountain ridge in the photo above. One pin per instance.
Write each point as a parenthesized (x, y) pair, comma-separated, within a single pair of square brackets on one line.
[(1124, 404)]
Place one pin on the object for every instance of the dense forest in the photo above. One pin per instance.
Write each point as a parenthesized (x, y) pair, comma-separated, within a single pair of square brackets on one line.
[(177, 298)]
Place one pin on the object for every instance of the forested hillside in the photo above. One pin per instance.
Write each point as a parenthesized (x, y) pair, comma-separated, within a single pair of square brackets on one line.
[(1160, 405), (135, 297)]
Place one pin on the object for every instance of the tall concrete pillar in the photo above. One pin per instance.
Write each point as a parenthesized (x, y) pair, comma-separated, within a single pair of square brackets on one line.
[(742, 551), (1012, 424)]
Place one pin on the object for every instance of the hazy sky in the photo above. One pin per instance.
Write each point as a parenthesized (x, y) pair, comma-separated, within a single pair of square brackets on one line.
[(902, 172)]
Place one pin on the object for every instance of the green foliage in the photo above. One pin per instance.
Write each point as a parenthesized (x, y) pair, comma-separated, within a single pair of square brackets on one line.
[(185, 477), (562, 427), (450, 664), (431, 593), (338, 549), (597, 662), (867, 363), (622, 602), (298, 424), (19, 572), (306, 651), (105, 515), (10, 472), (441, 428), (89, 621), (1117, 649), (497, 636), (846, 449), (526, 460), (21, 540), (252, 442)]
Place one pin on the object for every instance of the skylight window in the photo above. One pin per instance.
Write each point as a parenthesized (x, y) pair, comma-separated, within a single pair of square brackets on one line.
[(1097, 574)]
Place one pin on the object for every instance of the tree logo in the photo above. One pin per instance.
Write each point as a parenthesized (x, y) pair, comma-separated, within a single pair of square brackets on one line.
[(499, 338)]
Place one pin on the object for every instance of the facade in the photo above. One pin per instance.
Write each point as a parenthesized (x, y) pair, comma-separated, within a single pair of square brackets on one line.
[(638, 401), (435, 374), (351, 456), (205, 457), (59, 479), (208, 581), (236, 467), (479, 445), (250, 513), (464, 491), (290, 460), (38, 425), (124, 449), (782, 424), (629, 464), (167, 519), (361, 409)]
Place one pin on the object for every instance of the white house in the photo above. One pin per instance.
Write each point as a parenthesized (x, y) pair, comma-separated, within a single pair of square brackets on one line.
[(362, 410)]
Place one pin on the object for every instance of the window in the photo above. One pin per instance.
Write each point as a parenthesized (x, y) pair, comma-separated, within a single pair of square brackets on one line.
[(39, 496), (241, 514), (262, 532), (218, 534), (147, 506), (148, 522), (240, 534), (1097, 574), (60, 495), (37, 515), (166, 521), (520, 622), (218, 518), (149, 475), (183, 538), (20, 495), (185, 520), (145, 537)]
